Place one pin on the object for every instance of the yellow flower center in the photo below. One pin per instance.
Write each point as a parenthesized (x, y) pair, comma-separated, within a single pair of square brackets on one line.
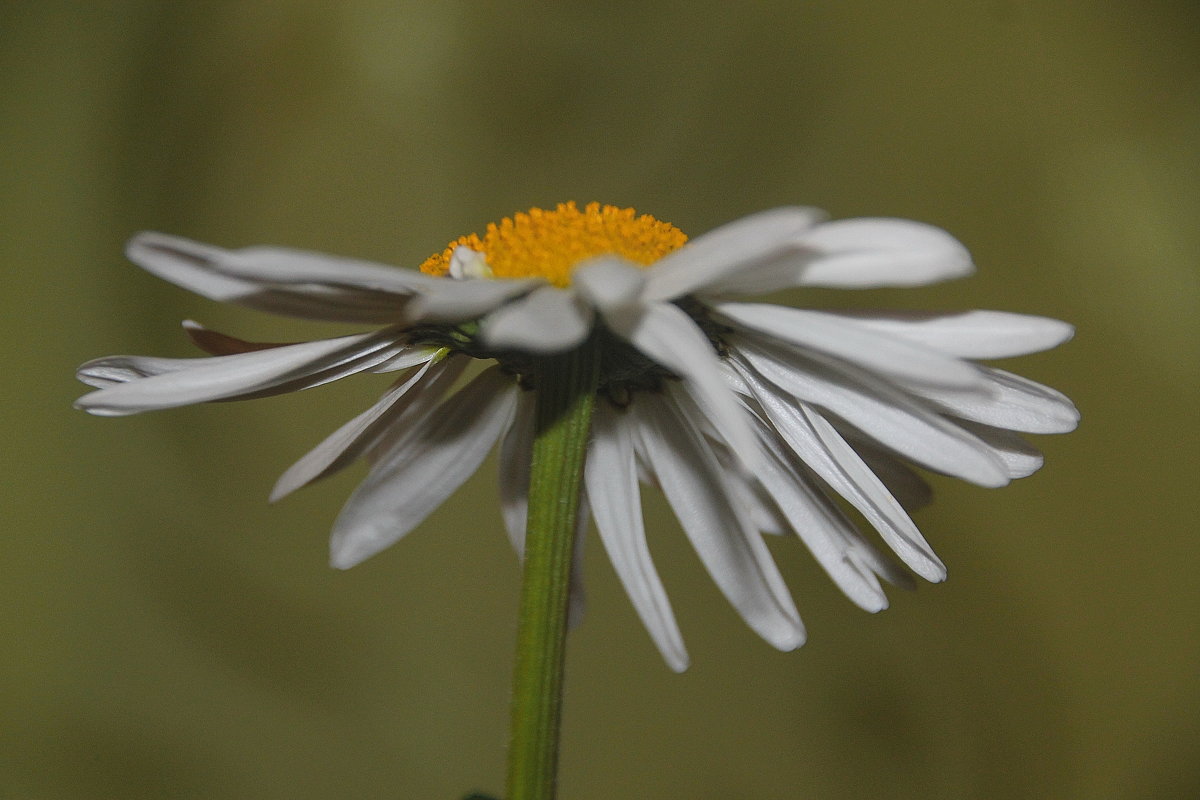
[(550, 244)]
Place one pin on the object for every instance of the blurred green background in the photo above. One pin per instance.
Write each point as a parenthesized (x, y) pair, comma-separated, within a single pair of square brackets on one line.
[(168, 634)]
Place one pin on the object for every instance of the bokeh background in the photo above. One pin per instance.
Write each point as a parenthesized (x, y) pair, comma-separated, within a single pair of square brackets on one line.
[(167, 634)]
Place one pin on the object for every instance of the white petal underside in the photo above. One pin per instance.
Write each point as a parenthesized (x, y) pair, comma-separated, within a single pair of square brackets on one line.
[(721, 256), (516, 458), (420, 469), (1019, 457), (241, 376), (230, 276), (742, 485), (968, 334), (1013, 402), (351, 441), (749, 492), (881, 411), (547, 320), (610, 474), (818, 445), (909, 488), (733, 552), (869, 252), (866, 557), (834, 336)]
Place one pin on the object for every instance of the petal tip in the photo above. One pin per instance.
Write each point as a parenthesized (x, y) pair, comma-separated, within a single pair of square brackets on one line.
[(344, 557), (278, 492), (794, 640), (677, 663), (936, 575)]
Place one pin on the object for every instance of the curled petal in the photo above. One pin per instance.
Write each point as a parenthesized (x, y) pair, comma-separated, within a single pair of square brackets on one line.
[(222, 344), (166, 383)]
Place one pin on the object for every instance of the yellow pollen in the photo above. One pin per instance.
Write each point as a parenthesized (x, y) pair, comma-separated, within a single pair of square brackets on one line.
[(550, 244)]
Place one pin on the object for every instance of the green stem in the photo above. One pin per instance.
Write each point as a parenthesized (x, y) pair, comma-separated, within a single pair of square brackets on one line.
[(566, 391)]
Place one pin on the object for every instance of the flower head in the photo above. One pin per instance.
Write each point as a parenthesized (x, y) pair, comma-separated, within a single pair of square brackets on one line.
[(751, 418)]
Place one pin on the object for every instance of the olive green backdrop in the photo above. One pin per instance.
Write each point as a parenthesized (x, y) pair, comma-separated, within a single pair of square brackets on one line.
[(167, 634)]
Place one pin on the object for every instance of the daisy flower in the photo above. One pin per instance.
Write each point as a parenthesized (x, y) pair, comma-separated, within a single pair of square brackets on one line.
[(751, 418)]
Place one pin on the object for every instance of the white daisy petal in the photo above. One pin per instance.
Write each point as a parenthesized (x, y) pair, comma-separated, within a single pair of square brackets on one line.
[(221, 344), (365, 362), (743, 486), (969, 334), (720, 256), (669, 336), (547, 320), (1019, 457), (824, 532), (751, 418), (879, 411), (112, 370), (225, 276), (611, 285), (861, 253), (245, 375), (610, 474), (1015, 403), (422, 469), (460, 301), (749, 492), (832, 335), (351, 441), (902, 482), (733, 552), (287, 266), (822, 449), (516, 457)]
